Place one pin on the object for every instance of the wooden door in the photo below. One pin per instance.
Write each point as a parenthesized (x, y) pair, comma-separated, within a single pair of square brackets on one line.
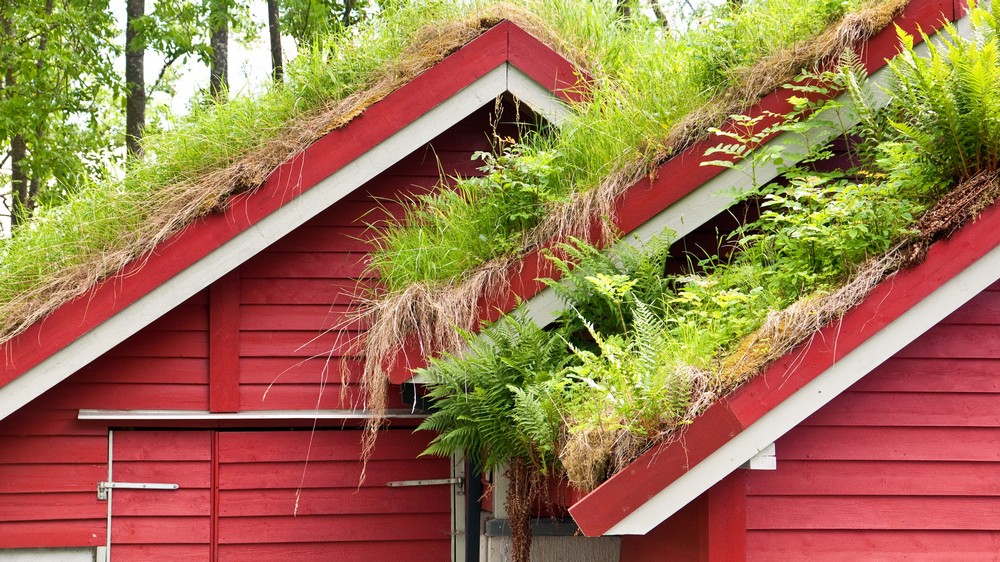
[(161, 524), (277, 495)]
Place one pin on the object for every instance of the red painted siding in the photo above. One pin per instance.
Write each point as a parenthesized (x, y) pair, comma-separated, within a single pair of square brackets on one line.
[(270, 500), (299, 297), (162, 524), (287, 300), (906, 463), (260, 495)]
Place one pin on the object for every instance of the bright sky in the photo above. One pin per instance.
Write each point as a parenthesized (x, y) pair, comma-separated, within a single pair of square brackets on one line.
[(249, 65)]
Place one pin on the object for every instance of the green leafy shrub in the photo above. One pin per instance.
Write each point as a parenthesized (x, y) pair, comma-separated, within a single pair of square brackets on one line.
[(495, 403), (944, 117)]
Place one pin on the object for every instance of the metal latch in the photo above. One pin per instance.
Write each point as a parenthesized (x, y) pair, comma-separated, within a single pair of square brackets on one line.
[(103, 487), (432, 482)]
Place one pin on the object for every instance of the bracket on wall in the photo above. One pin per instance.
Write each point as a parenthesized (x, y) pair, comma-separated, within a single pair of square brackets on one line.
[(764, 460), (103, 487)]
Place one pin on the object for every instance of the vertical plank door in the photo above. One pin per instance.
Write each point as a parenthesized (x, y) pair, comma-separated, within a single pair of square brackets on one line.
[(297, 495), (156, 525)]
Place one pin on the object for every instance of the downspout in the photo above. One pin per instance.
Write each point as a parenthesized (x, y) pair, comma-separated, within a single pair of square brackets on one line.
[(473, 511)]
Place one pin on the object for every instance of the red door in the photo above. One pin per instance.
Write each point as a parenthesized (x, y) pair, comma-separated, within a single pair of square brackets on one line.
[(276, 495), (161, 524)]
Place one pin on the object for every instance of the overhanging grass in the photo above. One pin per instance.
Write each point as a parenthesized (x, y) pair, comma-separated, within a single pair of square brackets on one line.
[(193, 168), (653, 93)]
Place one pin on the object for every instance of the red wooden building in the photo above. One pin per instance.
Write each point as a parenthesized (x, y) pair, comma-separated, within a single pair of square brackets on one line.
[(194, 406), (878, 439), (208, 366)]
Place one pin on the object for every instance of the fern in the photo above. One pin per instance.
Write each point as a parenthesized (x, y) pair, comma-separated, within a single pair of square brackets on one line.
[(489, 404)]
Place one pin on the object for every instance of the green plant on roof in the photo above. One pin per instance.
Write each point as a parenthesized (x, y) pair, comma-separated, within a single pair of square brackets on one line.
[(651, 95), (637, 353)]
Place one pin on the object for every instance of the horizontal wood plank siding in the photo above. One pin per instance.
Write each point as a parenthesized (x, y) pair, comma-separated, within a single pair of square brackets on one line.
[(300, 490), (161, 524), (906, 463), (300, 299), (51, 462)]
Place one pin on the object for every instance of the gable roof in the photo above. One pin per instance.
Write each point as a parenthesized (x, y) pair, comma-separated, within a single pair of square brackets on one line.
[(504, 59), (682, 194), (744, 423)]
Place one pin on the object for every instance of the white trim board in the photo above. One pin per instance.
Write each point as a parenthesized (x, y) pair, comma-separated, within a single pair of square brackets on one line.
[(293, 214), (249, 415), (807, 400)]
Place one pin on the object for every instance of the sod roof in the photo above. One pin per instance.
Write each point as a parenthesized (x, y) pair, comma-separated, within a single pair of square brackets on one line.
[(122, 230)]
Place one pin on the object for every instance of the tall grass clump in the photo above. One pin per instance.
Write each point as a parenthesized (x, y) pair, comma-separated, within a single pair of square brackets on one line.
[(219, 150), (645, 83)]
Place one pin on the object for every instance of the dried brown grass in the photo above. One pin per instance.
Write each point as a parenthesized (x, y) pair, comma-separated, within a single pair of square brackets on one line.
[(431, 316), (754, 82), (590, 455), (180, 204)]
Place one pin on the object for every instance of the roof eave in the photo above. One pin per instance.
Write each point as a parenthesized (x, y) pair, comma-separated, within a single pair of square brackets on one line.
[(504, 59), (737, 427)]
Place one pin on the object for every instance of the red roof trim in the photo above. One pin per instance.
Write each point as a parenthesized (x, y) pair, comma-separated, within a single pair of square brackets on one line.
[(656, 469), (684, 173), (503, 43)]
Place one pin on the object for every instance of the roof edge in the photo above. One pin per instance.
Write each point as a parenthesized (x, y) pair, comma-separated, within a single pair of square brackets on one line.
[(502, 59), (731, 431)]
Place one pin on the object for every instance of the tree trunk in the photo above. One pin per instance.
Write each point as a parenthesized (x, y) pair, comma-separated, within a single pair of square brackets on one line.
[(218, 19), (135, 88), (18, 181), (661, 16), (8, 83), (348, 6), (520, 498), (24, 189), (624, 8), (277, 68)]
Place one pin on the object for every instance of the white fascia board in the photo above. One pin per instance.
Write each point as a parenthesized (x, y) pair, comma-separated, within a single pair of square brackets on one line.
[(261, 415), (814, 395), (290, 216), (721, 192), (539, 99)]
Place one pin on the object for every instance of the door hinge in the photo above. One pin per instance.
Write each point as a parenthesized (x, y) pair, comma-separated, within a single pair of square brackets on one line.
[(103, 487), (432, 482)]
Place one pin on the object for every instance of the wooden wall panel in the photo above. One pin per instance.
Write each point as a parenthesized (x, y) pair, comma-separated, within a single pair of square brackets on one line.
[(270, 497), (157, 524), (300, 297), (905, 463)]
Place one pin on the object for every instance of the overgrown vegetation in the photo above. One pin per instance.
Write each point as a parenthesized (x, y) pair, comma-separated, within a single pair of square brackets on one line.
[(637, 354), (646, 83), (652, 95)]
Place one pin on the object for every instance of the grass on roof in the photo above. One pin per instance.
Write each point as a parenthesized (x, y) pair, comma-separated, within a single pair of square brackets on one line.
[(218, 150), (654, 93), (637, 355)]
